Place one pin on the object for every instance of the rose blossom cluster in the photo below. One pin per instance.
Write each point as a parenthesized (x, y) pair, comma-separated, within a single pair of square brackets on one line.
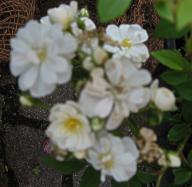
[(114, 84)]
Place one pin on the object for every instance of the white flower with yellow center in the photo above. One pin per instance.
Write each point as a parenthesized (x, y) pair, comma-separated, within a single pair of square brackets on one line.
[(64, 14), (40, 57), (115, 157), (69, 129), (128, 41), (124, 92)]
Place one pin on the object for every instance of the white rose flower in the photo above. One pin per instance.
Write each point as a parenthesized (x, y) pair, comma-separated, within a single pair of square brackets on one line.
[(69, 129), (163, 98), (94, 93), (40, 57), (124, 93), (64, 14), (89, 25), (130, 42), (45, 20), (114, 157)]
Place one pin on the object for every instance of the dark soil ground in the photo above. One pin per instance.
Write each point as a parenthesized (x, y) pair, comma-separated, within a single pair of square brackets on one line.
[(20, 144)]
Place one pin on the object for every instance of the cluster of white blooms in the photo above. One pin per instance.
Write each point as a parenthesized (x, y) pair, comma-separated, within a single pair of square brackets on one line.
[(114, 84)]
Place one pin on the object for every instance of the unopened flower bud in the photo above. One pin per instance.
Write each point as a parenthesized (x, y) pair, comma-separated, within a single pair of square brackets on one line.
[(100, 55), (26, 101), (88, 64), (84, 12), (80, 154), (59, 158), (170, 159), (97, 124), (58, 153), (174, 160), (164, 99)]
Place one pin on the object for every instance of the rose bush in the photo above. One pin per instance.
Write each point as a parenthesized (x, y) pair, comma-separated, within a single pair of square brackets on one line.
[(112, 93)]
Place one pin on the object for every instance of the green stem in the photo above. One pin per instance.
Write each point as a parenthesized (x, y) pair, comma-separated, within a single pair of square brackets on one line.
[(158, 184), (180, 151), (38, 103), (29, 101), (182, 145), (185, 161), (133, 127)]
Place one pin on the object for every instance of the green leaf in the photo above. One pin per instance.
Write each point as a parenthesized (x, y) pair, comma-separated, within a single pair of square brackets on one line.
[(174, 77), (65, 167), (134, 182), (188, 45), (111, 9), (178, 132), (172, 59), (154, 117), (132, 126), (182, 176), (145, 177), (167, 30), (120, 184), (184, 13), (90, 178), (164, 9), (187, 111), (185, 90)]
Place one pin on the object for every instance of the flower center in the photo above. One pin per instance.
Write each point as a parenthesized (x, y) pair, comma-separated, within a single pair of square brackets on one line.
[(42, 54), (126, 43), (72, 125), (107, 160)]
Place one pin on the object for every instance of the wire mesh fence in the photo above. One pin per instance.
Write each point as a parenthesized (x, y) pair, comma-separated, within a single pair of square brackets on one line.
[(13, 14)]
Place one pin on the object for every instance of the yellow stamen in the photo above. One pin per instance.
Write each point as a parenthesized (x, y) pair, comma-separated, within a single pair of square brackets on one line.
[(107, 160), (126, 43), (72, 125), (42, 55)]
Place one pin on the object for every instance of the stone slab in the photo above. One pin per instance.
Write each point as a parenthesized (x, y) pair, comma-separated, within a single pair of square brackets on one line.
[(61, 94), (24, 150)]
